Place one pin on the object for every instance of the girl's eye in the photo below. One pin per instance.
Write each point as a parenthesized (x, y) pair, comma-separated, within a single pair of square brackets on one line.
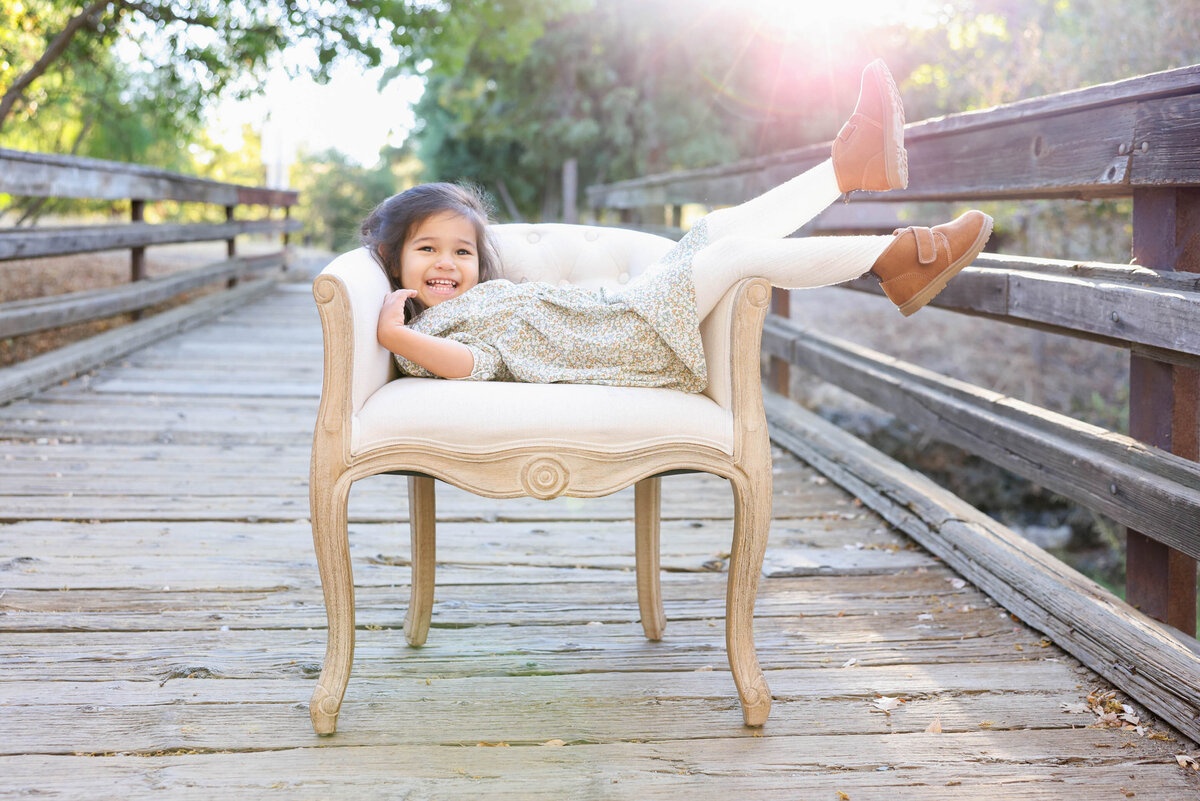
[(464, 252)]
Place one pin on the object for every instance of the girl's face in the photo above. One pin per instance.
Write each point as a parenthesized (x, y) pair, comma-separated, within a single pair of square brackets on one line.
[(440, 258)]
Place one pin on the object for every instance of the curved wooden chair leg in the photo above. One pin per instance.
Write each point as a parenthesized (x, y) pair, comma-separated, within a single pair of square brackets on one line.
[(751, 524), (422, 523), (647, 505), (328, 498)]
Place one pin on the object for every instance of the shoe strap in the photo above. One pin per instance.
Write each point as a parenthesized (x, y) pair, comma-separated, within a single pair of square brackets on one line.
[(926, 243)]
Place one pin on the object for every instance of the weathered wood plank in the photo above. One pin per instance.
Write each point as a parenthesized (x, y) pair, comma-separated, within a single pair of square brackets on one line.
[(578, 709), (1134, 483), (1164, 142), (1034, 764), (54, 175), (516, 650), (31, 375), (694, 596), (1143, 657), (26, 243), (40, 314)]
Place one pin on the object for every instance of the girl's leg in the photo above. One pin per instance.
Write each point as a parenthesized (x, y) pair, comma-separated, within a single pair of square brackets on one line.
[(788, 263), (779, 211)]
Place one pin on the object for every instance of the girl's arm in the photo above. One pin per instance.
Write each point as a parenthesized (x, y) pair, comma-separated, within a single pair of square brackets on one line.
[(442, 357)]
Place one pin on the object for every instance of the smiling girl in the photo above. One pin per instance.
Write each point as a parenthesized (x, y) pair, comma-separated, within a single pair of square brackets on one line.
[(450, 316)]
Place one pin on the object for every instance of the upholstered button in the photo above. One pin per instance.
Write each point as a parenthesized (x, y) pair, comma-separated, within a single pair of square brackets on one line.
[(534, 237), (591, 235), (623, 278)]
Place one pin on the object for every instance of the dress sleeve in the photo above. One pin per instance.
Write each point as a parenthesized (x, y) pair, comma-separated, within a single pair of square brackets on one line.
[(488, 364)]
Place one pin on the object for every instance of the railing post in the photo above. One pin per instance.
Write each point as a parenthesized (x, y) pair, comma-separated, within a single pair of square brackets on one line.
[(1163, 401), (778, 372), (138, 254), (230, 243)]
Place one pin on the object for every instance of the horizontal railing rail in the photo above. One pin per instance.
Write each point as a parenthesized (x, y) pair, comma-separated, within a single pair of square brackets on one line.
[(43, 175), (21, 317)]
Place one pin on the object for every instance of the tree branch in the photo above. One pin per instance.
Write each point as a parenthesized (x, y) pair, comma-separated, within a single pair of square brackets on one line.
[(57, 46)]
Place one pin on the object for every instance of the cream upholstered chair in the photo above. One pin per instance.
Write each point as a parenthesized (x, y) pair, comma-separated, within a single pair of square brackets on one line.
[(539, 440)]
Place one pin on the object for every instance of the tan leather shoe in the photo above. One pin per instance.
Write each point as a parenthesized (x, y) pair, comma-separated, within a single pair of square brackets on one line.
[(869, 150), (921, 261)]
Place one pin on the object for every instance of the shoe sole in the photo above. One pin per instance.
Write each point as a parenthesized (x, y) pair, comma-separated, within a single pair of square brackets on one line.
[(918, 301), (895, 157)]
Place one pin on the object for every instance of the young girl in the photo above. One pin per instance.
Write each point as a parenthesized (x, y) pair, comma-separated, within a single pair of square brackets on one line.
[(450, 316)]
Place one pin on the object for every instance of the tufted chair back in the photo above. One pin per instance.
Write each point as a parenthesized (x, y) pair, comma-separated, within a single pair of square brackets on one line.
[(571, 254)]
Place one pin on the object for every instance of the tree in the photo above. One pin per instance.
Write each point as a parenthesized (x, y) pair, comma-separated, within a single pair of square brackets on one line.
[(630, 87), (202, 49)]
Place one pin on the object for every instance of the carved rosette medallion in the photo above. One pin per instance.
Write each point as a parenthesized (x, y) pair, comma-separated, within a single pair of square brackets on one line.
[(544, 477), (759, 293)]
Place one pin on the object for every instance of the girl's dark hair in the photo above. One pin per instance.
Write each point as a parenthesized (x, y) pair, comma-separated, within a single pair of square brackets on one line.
[(393, 221)]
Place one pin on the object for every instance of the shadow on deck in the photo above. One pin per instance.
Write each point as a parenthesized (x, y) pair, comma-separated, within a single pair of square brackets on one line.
[(162, 624)]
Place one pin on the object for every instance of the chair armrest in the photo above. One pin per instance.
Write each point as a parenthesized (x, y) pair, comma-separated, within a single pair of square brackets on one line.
[(349, 294), (732, 338)]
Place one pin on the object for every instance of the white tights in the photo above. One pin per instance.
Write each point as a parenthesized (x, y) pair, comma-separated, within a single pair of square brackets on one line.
[(745, 242)]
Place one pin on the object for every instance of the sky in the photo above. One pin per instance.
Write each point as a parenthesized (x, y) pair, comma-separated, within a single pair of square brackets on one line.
[(349, 113)]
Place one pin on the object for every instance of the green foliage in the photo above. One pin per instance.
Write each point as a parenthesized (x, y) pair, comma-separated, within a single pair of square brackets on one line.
[(336, 194), (630, 87)]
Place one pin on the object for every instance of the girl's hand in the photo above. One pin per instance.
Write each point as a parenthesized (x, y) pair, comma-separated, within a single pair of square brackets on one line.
[(392, 313)]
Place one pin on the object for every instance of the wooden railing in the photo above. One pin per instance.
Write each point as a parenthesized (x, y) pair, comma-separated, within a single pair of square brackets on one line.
[(42, 175), (1137, 138)]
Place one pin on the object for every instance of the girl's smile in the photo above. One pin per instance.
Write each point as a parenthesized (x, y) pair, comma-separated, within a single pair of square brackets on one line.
[(440, 260)]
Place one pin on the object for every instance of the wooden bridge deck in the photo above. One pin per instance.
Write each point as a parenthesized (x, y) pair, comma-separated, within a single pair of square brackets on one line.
[(161, 625)]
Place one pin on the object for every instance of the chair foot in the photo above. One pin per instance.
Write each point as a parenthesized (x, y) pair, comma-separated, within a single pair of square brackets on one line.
[(323, 709), (756, 701)]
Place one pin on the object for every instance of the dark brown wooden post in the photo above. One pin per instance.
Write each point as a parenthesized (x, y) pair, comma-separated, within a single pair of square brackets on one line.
[(1163, 401), (230, 243), (779, 372), (138, 254)]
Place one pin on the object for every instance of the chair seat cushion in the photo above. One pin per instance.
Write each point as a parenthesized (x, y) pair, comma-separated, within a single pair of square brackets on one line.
[(479, 417)]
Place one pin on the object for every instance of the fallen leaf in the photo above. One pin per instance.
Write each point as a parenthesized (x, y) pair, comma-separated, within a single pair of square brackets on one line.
[(851, 662), (554, 743), (842, 796), (1186, 761), (957, 583), (935, 727), (886, 703), (1077, 708)]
